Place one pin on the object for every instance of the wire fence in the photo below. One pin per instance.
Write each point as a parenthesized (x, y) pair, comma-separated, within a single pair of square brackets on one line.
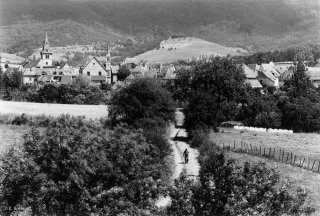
[(275, 154)]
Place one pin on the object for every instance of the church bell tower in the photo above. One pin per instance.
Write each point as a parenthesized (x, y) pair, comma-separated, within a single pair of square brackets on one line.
[(46, 54)]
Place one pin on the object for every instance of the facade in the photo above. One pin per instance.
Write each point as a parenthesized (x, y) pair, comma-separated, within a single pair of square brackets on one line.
[(98, 72)]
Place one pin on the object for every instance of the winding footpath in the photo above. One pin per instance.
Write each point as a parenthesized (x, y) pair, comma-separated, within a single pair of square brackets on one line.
[(178, 147)]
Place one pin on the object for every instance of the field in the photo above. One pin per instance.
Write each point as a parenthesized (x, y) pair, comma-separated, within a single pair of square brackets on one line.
[(11, 135), (186, 48), (18, 108), (298, 177), (300, 144)]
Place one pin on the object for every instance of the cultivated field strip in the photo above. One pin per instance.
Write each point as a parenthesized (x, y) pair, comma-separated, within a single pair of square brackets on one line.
[(54, 110)]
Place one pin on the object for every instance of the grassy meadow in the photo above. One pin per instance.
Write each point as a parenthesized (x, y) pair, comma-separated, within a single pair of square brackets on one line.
[(300, 144), (187, 48), (54, 110), (297, 176), (11, 135)]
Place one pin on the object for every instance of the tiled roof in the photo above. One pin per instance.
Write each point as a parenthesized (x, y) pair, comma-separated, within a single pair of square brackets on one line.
[(249, 72), (254, 83), (270, 69)]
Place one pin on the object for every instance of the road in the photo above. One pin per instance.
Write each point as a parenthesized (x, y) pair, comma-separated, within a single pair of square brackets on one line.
[(178, 147)]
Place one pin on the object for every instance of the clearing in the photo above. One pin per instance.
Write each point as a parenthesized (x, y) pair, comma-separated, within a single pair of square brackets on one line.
[(11, 135), (172, 50), (18, 108), (301, 144)]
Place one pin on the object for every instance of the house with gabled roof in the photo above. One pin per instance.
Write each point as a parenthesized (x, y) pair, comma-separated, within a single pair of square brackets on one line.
[(98, 72), (251, 77)]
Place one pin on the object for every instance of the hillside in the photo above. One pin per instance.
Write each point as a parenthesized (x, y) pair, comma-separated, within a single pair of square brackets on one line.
[(186, 48), (253, 24), (22, 36)]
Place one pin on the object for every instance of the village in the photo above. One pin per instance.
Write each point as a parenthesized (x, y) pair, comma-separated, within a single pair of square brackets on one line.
[(45, 70)]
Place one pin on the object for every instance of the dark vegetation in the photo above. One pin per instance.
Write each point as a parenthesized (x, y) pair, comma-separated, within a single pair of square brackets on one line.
[(71, 166), (310, 53), (216, 92), (79, 92), (123, 73), (251, 24), (74, 166)]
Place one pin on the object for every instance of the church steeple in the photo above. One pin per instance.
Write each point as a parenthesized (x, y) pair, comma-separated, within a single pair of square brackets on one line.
[(46, 54), (46, 46), (108, 57)]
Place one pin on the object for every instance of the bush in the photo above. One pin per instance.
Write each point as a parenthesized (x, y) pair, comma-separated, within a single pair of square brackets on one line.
[(77, 168), (143, 99), (225, 188)]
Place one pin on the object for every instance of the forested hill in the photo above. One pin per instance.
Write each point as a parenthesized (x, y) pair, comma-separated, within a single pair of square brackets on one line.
[(228, 22)]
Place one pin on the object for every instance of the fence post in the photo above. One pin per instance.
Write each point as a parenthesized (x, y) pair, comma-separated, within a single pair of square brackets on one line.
[(274, 153), (279, 154), (260, 150), (234, 145), (287, 157), (269, 152), (282, 155), (319, 166), (251, 148), (294, 161), (264, 150), (291, 158), (313, 164), (302, 162)]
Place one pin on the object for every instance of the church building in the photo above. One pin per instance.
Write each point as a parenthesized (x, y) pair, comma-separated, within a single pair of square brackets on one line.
[(98, 72)]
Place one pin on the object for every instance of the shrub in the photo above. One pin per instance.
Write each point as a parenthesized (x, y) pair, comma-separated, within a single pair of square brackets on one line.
[(225, 188), (143, 99), (77, 168)]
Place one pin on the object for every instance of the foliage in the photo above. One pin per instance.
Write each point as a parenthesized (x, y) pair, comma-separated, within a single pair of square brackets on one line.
[(217, 87), (299, 85), (123, 73), (76, 167), (142, 99), (226, 188), (78, 59), (12, 79)]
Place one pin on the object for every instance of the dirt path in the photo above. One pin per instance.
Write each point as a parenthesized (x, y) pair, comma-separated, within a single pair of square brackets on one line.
[(178, 147)]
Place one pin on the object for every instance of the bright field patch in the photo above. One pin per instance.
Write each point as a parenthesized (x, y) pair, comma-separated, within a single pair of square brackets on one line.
[(305, 145), (11, 135), (175, 49), (54, 110)]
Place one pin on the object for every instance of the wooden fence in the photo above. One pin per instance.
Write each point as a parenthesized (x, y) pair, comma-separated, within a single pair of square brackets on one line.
[(278, 155)]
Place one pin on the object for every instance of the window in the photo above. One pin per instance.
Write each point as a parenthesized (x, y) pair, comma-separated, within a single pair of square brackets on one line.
[(99, 73), (54, 73), (88, 73), (47, 56), (94, 63), (30, 79), (46, 63)]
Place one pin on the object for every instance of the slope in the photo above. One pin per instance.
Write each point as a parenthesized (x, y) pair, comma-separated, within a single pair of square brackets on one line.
[(186, 48)]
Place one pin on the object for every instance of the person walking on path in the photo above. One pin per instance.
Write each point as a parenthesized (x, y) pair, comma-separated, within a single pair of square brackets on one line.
[(186, 156)]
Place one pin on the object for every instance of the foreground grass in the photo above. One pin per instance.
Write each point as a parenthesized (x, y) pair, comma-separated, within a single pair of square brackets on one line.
[(300, 144), (54, 110), (11, 135), (297, 176)]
